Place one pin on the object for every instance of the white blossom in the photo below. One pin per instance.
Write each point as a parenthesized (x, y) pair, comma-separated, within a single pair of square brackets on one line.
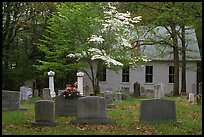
[(95, 38), (136, 19)]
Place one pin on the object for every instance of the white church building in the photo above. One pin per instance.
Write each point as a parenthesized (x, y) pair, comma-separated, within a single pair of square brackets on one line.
[(159, 70)]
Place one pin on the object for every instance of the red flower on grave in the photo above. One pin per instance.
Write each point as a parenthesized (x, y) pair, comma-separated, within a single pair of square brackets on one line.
[(71, 91)]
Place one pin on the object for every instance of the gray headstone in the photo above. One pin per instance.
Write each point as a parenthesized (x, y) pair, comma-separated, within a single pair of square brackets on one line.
[(191, 98), (44, 113), (118, 96), (92, 109), (66, 106), (157, 110), (136, 89), (158, 91), (109, 96), (46, 94), (10, 99), (36, 92), (23, 93), (87, 90), (142, 91), (149, 93)]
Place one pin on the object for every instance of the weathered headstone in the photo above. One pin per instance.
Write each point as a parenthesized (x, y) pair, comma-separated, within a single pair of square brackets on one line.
[(109, 97), (25, 92), (136, 89), (118, 96), (149, 93), (44, 113), (11, 100), (142, 92), (157, 110), (191, 98), (87, 91), (36, 92), (92, 109), (159, 91), (66, 106), (46, 94)]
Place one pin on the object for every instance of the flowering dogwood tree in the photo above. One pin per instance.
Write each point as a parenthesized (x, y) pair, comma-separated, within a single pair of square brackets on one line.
[(90, 35), (111, 44)]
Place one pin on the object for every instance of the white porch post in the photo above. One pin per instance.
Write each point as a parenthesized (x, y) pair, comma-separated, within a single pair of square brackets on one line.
[(51, 83), (80, 82)]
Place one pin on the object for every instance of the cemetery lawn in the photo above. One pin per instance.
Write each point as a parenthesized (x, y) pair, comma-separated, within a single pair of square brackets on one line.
[(125, 113)]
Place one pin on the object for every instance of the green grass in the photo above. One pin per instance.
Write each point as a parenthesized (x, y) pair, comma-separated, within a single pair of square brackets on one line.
[(125, 113)]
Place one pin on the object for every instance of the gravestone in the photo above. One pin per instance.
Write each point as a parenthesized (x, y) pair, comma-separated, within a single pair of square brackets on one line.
[(157, 110), (149, 93), (25, 92), (11, 100), (36, 92), (92, 110), (80, 82), (118, 96), (159, 91), (191, 98), (109, 97), (44, 113), (136, 89), (46, 94), (66, 106), (142, 91), (87, 91), (51, 83)]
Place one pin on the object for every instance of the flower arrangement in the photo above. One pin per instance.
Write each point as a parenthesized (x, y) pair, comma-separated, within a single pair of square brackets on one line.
[(71, 91)]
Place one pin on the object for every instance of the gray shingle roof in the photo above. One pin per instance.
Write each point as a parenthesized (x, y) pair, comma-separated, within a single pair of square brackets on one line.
[(165, 52)]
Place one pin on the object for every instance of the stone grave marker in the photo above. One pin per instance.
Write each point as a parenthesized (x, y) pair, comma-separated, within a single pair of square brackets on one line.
[(11, 100), (25, 92), (87, 91), (149, 93), (191, 98), (36, 93), (51, 83), (157, 110), (92, 110), (136, 89), (109, 97), (158, 91), (46, 94), (142, 93), (66, 106), (44, 113), (118, 96)]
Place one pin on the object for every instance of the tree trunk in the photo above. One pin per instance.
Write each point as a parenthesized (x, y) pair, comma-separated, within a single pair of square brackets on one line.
[(183, 77), (176, 61)]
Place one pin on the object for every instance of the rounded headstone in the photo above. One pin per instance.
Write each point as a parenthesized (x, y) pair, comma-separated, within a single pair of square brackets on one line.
[(44, 112), (92, 109)]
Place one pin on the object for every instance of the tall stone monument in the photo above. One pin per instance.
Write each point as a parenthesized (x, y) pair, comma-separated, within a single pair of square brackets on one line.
[(80, 82), (51, 83)]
